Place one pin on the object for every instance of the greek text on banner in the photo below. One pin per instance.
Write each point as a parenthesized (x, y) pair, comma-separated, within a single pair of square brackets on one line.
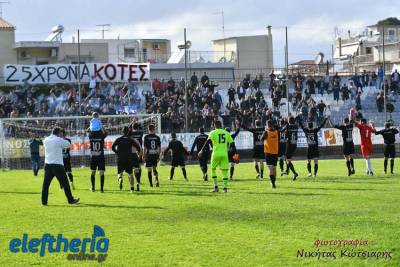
[(68, 73)]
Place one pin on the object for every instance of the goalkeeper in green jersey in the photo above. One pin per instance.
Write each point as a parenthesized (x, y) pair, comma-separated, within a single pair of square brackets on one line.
[(220, 140)]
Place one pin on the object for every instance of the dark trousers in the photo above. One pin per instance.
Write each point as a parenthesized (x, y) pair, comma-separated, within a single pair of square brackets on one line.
[(51, 170), (203, 160), (35, 159)]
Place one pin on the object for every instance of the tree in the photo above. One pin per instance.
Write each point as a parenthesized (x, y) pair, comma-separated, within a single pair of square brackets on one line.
[(389, 21)]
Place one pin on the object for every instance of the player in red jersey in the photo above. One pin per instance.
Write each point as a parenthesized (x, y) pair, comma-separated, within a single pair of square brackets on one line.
[(366, 131)]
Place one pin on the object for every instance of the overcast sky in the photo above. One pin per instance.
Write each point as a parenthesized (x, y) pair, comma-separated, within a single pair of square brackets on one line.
[(311, 23)]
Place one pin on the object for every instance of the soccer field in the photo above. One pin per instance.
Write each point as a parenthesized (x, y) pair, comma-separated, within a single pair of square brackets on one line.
[(183, 224)]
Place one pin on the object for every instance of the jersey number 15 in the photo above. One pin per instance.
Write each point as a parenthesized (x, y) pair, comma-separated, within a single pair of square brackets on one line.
[(221, 138)]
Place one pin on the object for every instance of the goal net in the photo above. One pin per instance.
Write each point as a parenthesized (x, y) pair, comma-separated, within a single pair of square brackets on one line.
[(16, 132)]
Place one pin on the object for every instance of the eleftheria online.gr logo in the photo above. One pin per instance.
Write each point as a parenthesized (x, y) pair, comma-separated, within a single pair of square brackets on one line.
[(97, 243)]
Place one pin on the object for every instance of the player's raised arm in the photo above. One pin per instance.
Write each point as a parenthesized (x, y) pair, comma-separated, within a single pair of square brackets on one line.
[(137, 146), (322, 124), (301, 124)]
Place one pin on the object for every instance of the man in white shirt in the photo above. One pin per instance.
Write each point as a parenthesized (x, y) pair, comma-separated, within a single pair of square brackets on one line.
[(54, 166)]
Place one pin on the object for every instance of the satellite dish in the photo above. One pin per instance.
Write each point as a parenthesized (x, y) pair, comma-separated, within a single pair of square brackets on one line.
[(319, 59)]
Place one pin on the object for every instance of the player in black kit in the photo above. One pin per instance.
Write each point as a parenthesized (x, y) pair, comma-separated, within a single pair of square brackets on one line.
[(137, 134), (282, 145), (198, 143), (178, 156), (67, 160), (151, 154), (128, 151), (97, 160), (232, 150), (389, 137), (348, 144), (291, 145), (258, 148), (312, 142)]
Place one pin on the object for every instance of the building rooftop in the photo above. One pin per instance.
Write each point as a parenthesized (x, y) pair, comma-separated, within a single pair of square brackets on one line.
[(122, 40), (4, 25), (36, 44), (236, 37), (304, 62)]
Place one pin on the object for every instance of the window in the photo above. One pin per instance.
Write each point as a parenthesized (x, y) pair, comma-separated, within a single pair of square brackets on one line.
[(391, 32), (156, 46), (23, 54), (368, 50), (129, 52)]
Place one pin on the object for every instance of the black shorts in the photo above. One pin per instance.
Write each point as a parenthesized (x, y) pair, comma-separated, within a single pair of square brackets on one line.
[(390, 151), (136, 161), (312, 152), (348, 149), (125, 165), (203, 160), (178, 161), (98, 163), (290, 150), (271, 159), (282, 150), (258, 152), (67, 164), (151, 161)]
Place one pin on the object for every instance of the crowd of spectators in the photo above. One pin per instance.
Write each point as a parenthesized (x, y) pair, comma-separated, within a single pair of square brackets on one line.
[(64, 100), (245, 101)]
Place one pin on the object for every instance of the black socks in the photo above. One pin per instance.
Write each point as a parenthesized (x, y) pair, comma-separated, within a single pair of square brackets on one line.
[(273, 179), (385, 162), (391, 165), (101, 182), (92, 180), (281, 164), (291, 167), (150, 176)]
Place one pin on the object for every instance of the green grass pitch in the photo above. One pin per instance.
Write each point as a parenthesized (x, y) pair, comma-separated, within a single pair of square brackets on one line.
[(183, 224)]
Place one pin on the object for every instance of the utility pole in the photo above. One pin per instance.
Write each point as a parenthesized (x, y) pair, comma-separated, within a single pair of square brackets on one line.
[(1, 7), (104, 28), (384, 71), (79, 74), (223, 28), (287, 69), (186, 82)]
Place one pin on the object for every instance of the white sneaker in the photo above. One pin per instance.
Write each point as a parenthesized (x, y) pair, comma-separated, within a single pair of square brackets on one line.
[(309, 175)]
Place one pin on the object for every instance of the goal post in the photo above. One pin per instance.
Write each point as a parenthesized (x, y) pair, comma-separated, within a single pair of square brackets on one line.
[(16, 132)]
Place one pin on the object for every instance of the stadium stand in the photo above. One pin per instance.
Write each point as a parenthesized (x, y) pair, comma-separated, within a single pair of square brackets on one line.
[(206, 100)]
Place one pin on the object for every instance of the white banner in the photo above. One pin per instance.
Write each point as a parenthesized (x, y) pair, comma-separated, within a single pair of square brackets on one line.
[(68, 73), (19, 148)]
